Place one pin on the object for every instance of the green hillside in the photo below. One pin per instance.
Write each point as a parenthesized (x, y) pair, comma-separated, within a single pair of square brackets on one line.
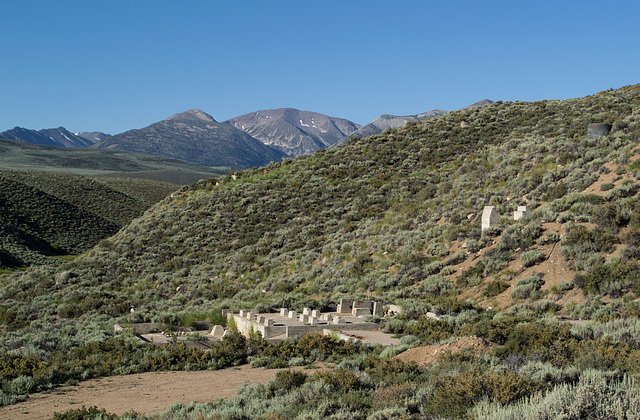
[(47, 214), (395, 216), (89, 162)]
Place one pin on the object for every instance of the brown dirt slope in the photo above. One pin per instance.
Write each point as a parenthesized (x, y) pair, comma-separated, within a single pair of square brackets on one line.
[(429, 354)]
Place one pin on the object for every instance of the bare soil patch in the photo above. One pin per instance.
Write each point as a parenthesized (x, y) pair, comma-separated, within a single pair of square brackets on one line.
[(146, 393), (429, 354)]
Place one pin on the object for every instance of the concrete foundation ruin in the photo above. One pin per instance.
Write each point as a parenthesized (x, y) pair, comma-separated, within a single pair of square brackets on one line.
[(286, 323)]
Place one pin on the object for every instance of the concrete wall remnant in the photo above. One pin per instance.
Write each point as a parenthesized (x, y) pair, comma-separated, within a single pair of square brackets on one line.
[(360, 312), (523, 212), (490, 217)]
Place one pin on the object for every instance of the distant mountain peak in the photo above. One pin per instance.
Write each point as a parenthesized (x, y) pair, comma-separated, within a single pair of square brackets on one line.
[(292, 131), (192, 114), (194, 136), (480, 103)]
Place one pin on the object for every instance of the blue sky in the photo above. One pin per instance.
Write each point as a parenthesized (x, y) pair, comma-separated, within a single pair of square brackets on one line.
[(112, 66)]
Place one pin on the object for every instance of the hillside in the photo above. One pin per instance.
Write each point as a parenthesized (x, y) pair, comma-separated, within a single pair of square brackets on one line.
[(381, 213), (395, 217), (385, 121), (292, 131), (47, 214), (89, 162), (194, 137)]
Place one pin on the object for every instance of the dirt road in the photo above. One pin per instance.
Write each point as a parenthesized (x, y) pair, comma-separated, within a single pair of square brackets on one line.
[(144, 393)]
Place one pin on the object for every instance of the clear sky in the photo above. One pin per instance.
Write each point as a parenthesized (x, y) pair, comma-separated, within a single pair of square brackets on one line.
[(116, 65)]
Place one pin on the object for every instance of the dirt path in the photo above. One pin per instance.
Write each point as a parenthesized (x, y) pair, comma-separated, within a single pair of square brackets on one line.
[(145, 393)]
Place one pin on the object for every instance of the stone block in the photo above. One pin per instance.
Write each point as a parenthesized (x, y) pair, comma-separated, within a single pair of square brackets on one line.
[(284, 311), (269, 322), (293, 314), (260, 319), (304, 318), (361, 312), (337, 320), (217, 331), (306, 311), (315, 313)]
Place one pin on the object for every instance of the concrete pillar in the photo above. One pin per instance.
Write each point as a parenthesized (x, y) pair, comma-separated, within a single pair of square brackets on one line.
[(345, 306), (490, 217), (315, 313), (377, 308), (284, 311), (293, 314)]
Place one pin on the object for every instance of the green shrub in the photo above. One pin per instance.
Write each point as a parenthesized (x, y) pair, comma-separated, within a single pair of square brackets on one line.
[(594, 393), (495, 287), (339, 379), (527, 287), (531, 257), (286, 380)]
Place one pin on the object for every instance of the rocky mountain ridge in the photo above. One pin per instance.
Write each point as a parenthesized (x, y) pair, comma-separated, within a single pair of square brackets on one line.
[(194, 136), (292, 131), (59, 137)]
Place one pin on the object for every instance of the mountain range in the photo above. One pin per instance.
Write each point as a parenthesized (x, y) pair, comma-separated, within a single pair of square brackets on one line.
[(292, 131), (253, 139), (194, 136), (59, 137)]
